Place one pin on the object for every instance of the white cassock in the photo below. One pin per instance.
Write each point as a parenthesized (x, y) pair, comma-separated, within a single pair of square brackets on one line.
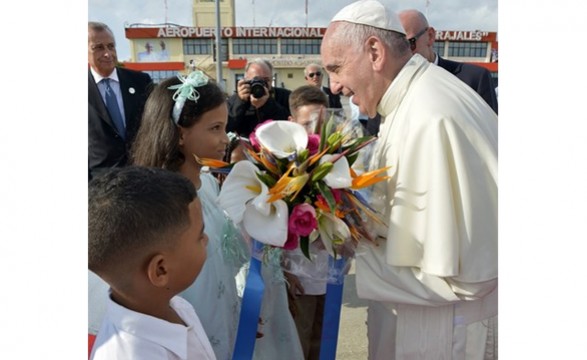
[(432, 280)]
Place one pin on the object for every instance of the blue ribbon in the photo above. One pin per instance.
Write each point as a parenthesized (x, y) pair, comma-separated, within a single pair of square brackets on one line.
[(250, 308), (332, 306)]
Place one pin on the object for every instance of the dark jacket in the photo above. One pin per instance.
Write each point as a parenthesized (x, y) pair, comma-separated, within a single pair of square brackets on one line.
[(106, 148), (244, 117), (333, 99), (477, 77)]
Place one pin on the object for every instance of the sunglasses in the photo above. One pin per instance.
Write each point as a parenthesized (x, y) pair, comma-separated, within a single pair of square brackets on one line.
[(413, 40), (317, 73)]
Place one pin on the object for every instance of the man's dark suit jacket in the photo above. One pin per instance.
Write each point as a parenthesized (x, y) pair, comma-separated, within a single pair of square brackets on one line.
[(244, 117), (106, 148), (333, 100), (477, 77)]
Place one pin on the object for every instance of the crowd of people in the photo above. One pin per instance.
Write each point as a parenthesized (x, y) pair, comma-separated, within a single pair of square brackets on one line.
[(166, 266)]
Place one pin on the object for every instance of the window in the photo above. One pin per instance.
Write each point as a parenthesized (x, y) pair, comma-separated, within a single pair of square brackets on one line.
[(160, 75), (467, 49), (224, 49), (254, 46), (438, 48), (301, 46), (197, 46)]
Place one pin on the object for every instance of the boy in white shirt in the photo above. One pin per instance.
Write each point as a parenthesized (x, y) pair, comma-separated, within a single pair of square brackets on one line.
[(146, 240)]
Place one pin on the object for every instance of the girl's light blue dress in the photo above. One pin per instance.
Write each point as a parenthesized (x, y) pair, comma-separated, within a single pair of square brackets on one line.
[(213, 295)]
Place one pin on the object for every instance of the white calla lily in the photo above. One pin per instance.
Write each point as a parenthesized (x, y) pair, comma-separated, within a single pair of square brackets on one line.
[(268, 228), (240, 186), (339, 176), (282, 138), (333, 231), (244, 197)]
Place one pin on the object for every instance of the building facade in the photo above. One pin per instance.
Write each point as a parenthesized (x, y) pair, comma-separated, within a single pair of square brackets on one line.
[(170, 49)]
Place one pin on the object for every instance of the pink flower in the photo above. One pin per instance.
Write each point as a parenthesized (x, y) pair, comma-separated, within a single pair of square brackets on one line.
[(292, 241), (253, 137), (313, 143), (302, 220), (335, 193)]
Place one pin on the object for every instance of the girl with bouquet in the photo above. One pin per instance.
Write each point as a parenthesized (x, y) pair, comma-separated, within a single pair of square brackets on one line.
[(183, 117)]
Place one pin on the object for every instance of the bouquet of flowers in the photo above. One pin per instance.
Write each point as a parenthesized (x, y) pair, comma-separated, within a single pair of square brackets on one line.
[(295, 188)]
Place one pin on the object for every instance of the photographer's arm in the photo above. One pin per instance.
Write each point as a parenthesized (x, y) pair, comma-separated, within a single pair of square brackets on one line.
[(236, 114)]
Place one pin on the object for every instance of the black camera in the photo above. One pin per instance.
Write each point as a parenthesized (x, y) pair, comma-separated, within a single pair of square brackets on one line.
[(258, 86)]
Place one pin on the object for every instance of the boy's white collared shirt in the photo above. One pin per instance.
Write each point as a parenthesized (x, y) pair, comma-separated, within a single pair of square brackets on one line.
[(127, 334)]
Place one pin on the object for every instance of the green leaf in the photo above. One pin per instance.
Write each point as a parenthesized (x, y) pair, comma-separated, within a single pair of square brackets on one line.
[(303, 155), (266, 179), (305, 246), (334, 141), (323, 137), (327, 129), (321, 171), (352, 158), (327, 194)]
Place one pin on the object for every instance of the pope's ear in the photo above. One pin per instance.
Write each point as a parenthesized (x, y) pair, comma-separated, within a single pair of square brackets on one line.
[(376, 52), (157, 271)]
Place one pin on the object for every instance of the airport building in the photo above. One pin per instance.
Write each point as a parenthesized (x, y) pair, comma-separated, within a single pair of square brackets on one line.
[(168, 49)]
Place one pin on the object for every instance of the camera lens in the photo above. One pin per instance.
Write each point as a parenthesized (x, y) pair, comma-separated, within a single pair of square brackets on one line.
[(257, 87), (257, 90)]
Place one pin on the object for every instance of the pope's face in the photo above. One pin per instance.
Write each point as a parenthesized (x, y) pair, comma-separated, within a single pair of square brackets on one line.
[(351, 72)]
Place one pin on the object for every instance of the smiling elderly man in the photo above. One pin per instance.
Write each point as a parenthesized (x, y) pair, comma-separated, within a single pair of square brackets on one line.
[(116, 98), (432, 280)]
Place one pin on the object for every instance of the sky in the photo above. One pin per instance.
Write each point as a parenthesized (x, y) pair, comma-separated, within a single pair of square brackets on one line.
[(443, 15)]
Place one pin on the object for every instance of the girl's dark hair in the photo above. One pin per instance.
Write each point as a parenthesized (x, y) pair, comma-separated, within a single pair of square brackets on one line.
[(157, 141)]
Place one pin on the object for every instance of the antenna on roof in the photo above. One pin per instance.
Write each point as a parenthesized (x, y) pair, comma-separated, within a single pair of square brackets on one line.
[(427, 4), (253, 1), (165, 1), (306, 11)]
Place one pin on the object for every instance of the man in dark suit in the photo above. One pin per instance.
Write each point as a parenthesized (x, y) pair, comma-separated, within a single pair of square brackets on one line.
[(422, 36), (116, 98), (251, 105), (313, 74)]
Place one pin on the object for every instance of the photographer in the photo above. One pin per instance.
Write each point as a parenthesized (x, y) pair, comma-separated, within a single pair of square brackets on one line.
[(256, 100)]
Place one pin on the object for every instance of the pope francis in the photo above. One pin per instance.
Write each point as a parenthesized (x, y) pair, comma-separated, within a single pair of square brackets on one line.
[(431, 280)]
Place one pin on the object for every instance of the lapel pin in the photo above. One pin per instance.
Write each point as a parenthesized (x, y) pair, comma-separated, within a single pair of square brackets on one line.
[(131, 90)]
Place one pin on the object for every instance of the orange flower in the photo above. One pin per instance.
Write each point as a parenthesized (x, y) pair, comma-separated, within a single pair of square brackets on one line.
[(213, 163), (368, 178), (286, 185)]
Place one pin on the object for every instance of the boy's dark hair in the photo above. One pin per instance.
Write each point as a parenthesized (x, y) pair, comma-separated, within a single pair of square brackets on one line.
[(130, 210), (306, 95), (157, 141)]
